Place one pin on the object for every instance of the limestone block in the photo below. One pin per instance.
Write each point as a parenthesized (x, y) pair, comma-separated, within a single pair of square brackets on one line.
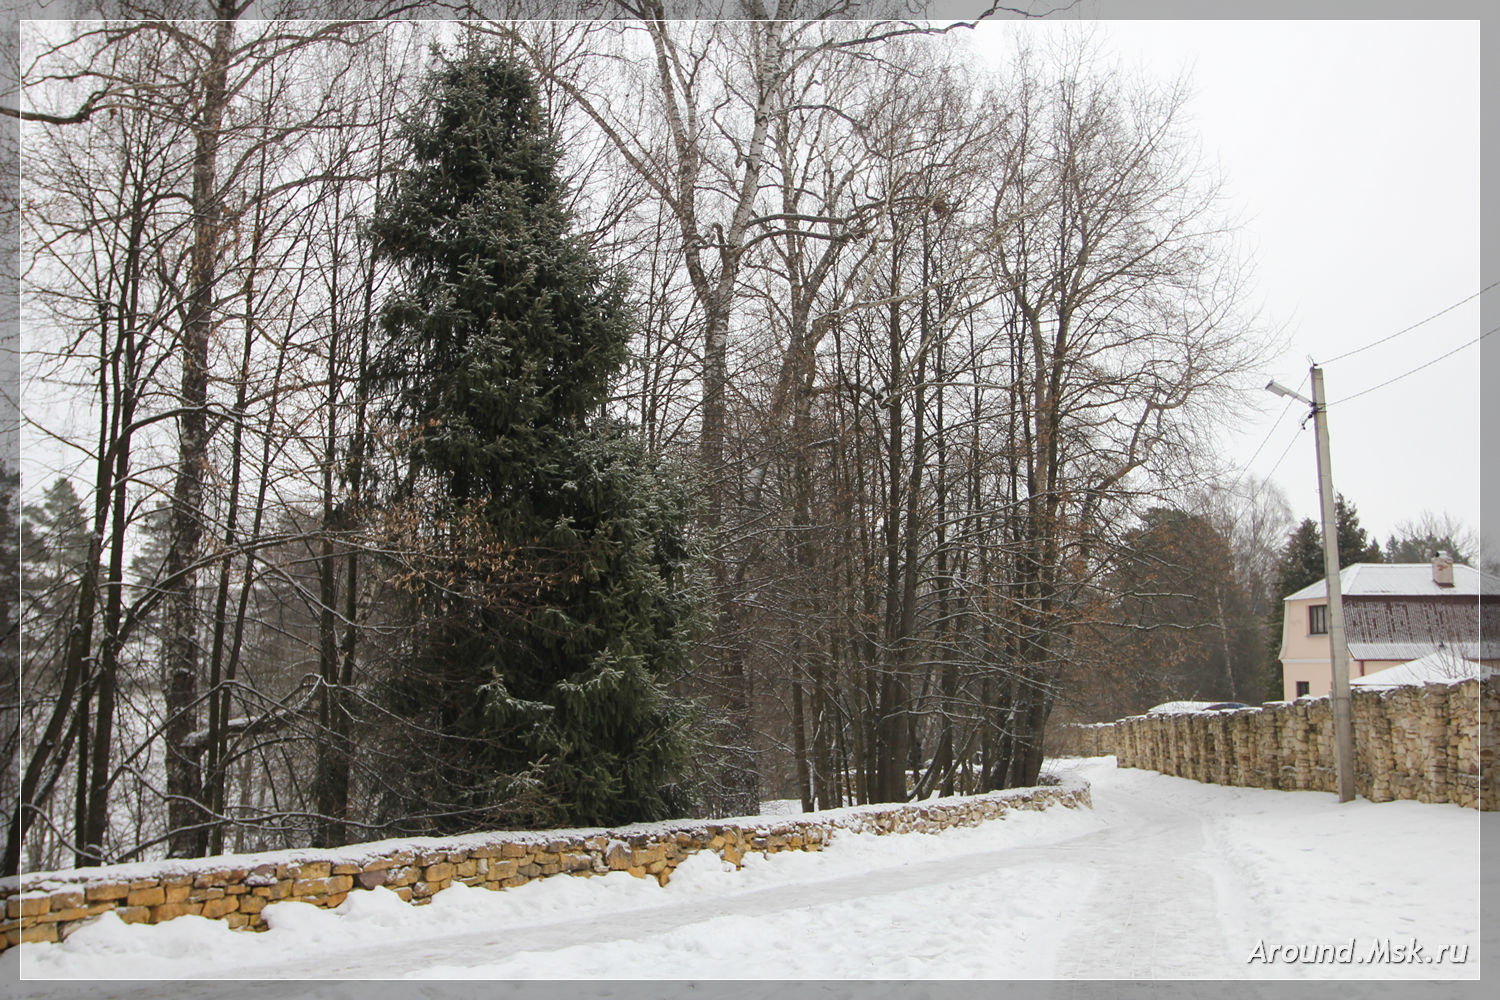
[(134, 914), (405, 875), (218, 907), (27, 905), (153, 896), (310, 887), (312, 870), (67, 899), (261, 875), (32, 934), (106, 890), (617, 856), (642, 856), (169, 911)]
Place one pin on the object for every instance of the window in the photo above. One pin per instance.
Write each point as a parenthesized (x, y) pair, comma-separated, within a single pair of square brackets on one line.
[(1317, 619), (1304, 687)]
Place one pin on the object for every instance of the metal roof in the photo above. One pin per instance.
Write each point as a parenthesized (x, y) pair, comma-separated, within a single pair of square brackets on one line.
[(1403, 580), (1415, 650)]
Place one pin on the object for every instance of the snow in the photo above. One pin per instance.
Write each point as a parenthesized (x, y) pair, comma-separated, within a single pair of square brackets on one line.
[(1439, 667), (1402, 580), (1164, 878), (1188, 708), (1482, 649)]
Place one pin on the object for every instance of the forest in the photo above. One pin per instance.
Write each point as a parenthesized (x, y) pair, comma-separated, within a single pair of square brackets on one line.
[(436, 426)]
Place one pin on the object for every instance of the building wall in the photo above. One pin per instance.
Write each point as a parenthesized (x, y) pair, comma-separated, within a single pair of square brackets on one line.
[(1304, 657)]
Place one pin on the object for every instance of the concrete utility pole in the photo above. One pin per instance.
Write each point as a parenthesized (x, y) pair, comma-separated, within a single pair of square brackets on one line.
[(1343, 714)]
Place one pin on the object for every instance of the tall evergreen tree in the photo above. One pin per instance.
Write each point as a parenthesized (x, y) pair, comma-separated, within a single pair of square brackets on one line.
[(1354, 544), (553, 708), (1301, 564)]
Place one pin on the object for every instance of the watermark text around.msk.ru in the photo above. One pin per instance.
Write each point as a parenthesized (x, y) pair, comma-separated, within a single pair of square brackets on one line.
[(1379, 951)]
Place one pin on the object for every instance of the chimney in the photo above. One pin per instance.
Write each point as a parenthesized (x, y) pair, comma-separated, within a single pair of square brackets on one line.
[(1442, 569)]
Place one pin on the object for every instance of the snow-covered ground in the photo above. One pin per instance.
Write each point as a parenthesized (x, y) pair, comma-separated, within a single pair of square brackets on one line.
[(1165, 878)]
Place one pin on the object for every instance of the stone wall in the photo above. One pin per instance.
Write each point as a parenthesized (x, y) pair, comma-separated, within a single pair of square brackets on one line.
[(47, 906), (1428, 743)]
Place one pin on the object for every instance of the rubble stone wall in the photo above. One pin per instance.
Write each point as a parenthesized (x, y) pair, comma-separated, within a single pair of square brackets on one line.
[(1429, 743), (47, 906)]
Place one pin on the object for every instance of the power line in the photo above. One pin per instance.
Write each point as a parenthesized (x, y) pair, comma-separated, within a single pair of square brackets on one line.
[(1429, 319), (1245, 469), (1413, 371), (1284, 454)]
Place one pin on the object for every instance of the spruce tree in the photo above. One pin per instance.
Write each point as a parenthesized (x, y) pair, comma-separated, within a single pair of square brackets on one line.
[(500, 354), (1355, 546), (1301, 564)]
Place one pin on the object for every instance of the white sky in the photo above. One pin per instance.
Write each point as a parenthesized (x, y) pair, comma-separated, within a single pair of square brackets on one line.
[(1351, 148)]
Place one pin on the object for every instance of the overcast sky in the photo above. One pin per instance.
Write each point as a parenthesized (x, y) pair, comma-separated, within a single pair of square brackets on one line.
[(1352, 151)]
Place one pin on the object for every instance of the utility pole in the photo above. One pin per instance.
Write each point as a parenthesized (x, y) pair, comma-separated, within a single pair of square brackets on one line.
[(1343, 715)]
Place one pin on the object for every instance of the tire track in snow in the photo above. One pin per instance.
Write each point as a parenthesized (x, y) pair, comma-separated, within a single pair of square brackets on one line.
[(1155, 912), (493, 945)]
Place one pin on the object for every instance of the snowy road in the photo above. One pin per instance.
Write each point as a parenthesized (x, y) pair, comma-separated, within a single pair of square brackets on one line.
[(1165, 878)]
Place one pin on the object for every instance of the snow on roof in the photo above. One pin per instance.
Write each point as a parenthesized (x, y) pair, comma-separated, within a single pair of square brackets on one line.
[(1443, 666), (1402, 580), (1185, 707), (1402, 651)]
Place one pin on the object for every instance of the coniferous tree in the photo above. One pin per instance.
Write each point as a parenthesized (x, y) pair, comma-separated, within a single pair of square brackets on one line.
[(1355, 546), (551, 706), (1302, 564)]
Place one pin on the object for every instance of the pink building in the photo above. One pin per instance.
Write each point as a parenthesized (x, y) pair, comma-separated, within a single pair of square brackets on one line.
[(1393, 613)]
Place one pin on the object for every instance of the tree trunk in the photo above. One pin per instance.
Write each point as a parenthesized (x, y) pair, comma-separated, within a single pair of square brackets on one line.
[(187, 819)]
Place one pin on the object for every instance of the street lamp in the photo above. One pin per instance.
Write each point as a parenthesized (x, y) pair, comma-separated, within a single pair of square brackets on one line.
[(1343, 716), (1281, 390)]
